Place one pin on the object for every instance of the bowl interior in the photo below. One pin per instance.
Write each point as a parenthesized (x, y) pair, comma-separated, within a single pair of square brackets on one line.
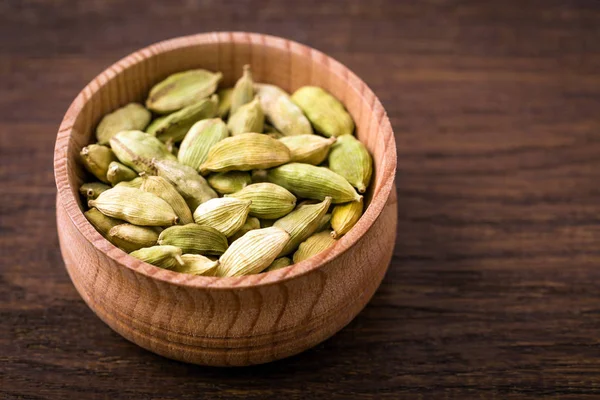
[(274, 60)]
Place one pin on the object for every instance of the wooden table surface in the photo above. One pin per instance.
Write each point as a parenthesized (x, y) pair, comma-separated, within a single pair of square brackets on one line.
[(494, 288)]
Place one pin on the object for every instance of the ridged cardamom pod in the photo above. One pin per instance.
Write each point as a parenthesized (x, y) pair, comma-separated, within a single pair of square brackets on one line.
[(269, 201), (279, 263), (253, 252), (195, 239), (137, 149), (247, 118), (224, 102), (313, 245), (344, 216), (101, 222), (182, 89), (245, 152), (118, 172), (132, 117), (308, 181), (243, 91), (199, 139), (96, 159), (159, 186), (135, 206), (174, 126), (225, 214), (193, 187), (196, 264), (281, 111), (325, 222), (351, 159), (309, 149), (134, 183), (250, 224), (326, 113), (92, 190), (132, 237), (229, 182), (301, 223), (167, 257)]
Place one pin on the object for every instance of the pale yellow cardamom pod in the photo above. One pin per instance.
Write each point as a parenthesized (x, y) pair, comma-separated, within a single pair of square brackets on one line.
[(309, 149), (269, 201), (281, 111), (253, 252), (135, 206), (351, 159), (182, 89), (193, 187), (243, 92), (344, 217), (198, 141), (311, 182), (250, 224), (325, 112), (225, 214), (134, 183), (132, 117), (247, 118), (118, 172), (279, 263), (224, 102), (137, 149), (96, 159), (301, 223), (92, 190), (229, 182), (196, 264), (132, 237), (160, 187), (167, 257), (245, 152), (313, 245), (101, 222), (195, 239)]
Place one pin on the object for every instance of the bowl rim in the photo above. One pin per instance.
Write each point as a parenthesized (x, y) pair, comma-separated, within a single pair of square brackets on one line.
[(67, 198)]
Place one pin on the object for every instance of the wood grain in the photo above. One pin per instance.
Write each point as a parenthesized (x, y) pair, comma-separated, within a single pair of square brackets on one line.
[(493, 290)]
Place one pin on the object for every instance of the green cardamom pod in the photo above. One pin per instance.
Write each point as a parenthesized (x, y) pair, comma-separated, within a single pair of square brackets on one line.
[(269, 201), (224, 102), (101, 222), (195, 239), (132, 117), (311, 182), (225, 214), (132, 237), (279, 263), (281, 111), (135, 206), (193, 187), (92, 190), (229, 182), (199, 139), (324, 223), (134, 183), (174, 126), (182, 89), (118, 172), (351, 159), (167, 257), (243, 92), (326, 113), (137, 149), (159, 186), (344, 217), (250, 224), (96, 159), (245, 152), (309, 149), (253, 252), (248, 118), (196, 264), (313, 245), (302, 222)]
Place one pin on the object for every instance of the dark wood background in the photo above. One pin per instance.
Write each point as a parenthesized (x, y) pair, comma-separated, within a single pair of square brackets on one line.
[(494, 288)]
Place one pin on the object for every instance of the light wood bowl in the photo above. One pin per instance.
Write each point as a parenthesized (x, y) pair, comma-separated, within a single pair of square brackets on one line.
[(227, 321)]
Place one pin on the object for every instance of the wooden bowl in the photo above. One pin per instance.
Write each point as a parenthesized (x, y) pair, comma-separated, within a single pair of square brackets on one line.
[(227, 321)]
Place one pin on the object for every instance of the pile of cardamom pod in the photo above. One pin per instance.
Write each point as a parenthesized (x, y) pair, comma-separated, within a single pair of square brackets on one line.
[(287, 169)]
